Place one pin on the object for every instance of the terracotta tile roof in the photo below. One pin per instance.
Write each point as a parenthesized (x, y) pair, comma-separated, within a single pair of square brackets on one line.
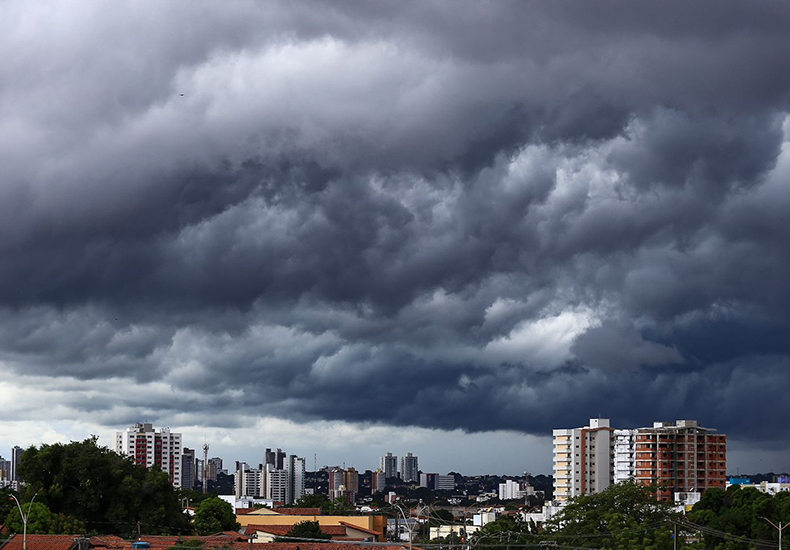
[(329, 545), (219, 540), (242, 511), (109, 541), (299, 511), (42, 542)]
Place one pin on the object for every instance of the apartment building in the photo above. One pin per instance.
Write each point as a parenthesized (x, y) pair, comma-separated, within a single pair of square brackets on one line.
[(149, 447), (188, 476), (582, 459), (296, 478), (389, 465), (624, 455), (679, 457), (409, 468)]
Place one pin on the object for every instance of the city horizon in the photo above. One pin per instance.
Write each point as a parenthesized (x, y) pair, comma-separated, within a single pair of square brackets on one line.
[(429, 226)]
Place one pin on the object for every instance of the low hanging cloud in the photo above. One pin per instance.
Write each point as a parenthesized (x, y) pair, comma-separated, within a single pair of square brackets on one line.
[(509, 216)]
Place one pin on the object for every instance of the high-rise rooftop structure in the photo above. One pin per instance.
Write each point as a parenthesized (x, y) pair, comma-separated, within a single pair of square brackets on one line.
[(149, 447), (389, 465), (409, 469), (582, 460)]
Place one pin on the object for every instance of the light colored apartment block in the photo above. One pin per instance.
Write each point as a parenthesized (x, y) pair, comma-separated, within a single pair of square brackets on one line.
[(149, 447), (582, 459)]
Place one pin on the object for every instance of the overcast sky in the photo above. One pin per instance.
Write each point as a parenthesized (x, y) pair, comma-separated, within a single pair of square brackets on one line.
[(346, 228)]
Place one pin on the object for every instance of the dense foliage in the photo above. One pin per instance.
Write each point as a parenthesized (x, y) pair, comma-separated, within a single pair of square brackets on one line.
[(626, 516), (214, 515), (105, 491), (739, 513), (305, 530)]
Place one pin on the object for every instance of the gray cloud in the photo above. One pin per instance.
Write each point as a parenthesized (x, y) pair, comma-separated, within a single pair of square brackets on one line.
[(512, 215)]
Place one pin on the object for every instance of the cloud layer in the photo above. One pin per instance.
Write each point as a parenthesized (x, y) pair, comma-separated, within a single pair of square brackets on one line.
[(508, 216)]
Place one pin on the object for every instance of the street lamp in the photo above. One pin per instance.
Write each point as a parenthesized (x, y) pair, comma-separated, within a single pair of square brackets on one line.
[(779, 528), (24, 518)]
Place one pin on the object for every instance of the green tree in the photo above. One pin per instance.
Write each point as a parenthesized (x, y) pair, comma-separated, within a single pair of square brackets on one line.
[(625, 516), (39, 519), (305, 530), (506, 531), (106, 491), (214, 515), (6, 502), (737, 514)]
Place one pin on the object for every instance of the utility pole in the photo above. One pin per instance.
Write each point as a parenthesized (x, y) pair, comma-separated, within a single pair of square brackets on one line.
[(779, 528), (675, 536)]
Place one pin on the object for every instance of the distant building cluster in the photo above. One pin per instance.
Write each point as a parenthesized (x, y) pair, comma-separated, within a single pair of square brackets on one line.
[(678, 457), (9, 475), (277, 479)]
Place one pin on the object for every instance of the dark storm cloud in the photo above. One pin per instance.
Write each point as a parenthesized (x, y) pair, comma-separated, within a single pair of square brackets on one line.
[(510, 215)]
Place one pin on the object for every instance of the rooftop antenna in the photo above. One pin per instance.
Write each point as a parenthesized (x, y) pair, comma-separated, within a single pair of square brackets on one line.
[(205, 468), (315, 462)]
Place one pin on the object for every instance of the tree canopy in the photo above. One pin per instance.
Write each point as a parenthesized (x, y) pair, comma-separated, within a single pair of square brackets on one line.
[(738, 513), (214, 515), (305, 530), (625, 516), (102, 489)]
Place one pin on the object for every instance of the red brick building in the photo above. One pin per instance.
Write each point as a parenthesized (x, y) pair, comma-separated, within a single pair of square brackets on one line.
[(680, 457)]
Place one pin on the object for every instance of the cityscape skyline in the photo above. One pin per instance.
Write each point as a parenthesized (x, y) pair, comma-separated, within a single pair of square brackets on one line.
[(468, 454), (408, 225)]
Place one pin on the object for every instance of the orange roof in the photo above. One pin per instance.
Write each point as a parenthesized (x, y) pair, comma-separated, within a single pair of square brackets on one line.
[(242, 511), (298, 511), (218, 540), (109, 541), (42, 542)]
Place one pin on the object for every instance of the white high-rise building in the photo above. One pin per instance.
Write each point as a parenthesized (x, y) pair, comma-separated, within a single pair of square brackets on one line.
[(624, 457), (296, 476), (248, 482), (510, 490), (149, 447), (276, 484), (409, 469), (582, 460), (389, 465)]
